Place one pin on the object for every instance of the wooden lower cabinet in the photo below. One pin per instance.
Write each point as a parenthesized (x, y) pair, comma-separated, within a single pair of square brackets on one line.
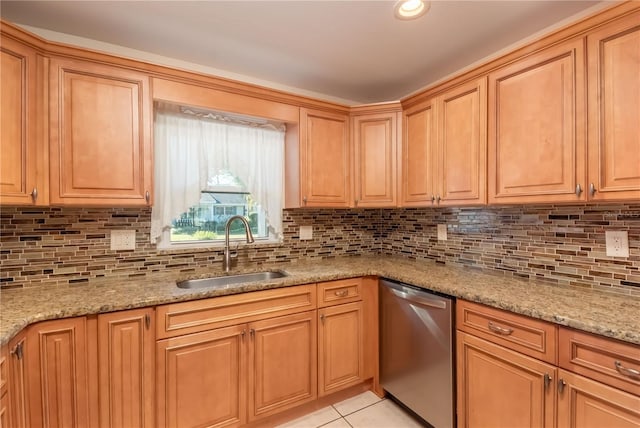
[(56, 356), (498, 387), (340, 347), (126, 344), (585, 403), (201, 379), (282, 363), (17, 387)]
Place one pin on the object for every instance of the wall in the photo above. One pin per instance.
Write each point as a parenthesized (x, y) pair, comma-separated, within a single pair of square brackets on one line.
[(560, 244), (41, 246)]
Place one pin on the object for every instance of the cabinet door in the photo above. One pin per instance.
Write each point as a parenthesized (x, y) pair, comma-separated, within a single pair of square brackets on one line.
[(18, 393), (201, 379), (126, 368), (23, 162), (282, 363), (614, 110), (584, 403), (462, 144), (375, 139), (325, 167), (340, 347), (418, 152), (101, 151), (537, 128), (501, 388), (56, 356)]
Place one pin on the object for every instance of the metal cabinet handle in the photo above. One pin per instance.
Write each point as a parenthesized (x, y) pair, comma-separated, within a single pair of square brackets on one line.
[(547, 380), (243, 334), (355, 202), (322, 318), (341, 293), (592, 189), (433, 198), (147, 321), (578, 190), (17, 351), (420, 299), (147, 196), (632, 373), (505, 331), (34, 194), (438, 198), (252, 333), (561, 385), (304, 200)]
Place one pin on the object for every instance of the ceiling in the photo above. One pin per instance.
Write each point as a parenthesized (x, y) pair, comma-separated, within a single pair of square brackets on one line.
[(354, 51)]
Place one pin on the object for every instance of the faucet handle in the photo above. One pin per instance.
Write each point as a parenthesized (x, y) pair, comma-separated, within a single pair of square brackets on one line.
[(234, 253)]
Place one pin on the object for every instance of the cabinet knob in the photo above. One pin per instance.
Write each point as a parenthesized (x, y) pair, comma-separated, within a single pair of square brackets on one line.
[(578, 190), (252, 332), (34, 194), (147, 321), (547, 380), (561, 385), (592, 189), (17, 351), (632, 373), (147, 196), (438, 198), (304, 200), (322, 318), (433, 198)]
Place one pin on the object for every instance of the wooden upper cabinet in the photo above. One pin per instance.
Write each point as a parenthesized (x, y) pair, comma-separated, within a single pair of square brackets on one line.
[(100, 144), (461, 145), (614, 110), (23, 169), (375, 146), (325, 166), (417, 187), (537, 127)]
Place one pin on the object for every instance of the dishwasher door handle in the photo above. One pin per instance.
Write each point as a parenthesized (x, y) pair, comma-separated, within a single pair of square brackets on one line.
[(415, 298)]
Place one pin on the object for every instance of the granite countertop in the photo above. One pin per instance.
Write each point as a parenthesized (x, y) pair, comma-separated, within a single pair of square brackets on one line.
[(607, 314)]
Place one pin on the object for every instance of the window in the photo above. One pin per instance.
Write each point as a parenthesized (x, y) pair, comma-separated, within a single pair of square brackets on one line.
[(225, 197), (209, 168)]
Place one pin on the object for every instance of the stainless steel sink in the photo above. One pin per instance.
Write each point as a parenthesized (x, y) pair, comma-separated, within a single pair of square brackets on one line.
[(226, 281)]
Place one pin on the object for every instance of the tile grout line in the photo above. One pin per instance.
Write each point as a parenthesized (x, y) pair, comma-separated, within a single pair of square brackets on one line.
[(362, 408)]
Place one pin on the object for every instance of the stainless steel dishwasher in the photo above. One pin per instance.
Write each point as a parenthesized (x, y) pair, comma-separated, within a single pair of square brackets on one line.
[(416, 361)]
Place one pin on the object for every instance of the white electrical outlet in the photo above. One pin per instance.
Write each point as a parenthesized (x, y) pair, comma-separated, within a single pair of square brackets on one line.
[(442, 232), (123, 239), (617, 243), (306, 233)]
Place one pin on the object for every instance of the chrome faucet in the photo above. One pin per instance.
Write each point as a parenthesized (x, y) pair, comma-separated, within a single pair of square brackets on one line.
[(226, 263)]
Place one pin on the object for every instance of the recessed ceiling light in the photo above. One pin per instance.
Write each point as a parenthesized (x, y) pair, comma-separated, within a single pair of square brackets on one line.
[(411, 9)]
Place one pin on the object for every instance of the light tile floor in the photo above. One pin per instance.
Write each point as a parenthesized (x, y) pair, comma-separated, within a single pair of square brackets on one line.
[(366, 410)]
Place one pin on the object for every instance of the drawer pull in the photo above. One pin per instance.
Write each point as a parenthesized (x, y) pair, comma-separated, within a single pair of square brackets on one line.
[(632, 373), (500, 330), (341, 293)]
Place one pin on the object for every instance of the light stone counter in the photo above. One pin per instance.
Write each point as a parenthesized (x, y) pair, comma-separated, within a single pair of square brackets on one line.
[(606, 314)]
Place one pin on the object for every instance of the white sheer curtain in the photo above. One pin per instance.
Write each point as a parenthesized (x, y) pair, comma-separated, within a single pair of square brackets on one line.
[(189, 150)]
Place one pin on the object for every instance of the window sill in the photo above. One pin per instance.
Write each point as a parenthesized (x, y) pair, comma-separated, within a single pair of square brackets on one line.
[(215, 245)]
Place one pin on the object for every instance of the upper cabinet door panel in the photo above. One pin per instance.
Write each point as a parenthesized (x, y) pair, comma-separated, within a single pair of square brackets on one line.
[(19, 143), (614, 110), (417, 156), (375, 152), (100, 135), (536, 130), (325, 161), (462, 143)]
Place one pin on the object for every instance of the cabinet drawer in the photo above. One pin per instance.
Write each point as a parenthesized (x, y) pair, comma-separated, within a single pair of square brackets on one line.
[(529, 336), (190, 317), (338, 292), (607, 360)]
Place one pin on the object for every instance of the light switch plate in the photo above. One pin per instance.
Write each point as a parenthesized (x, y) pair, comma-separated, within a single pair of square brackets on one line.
[(123, 239), (306, 233), (617, 243), (442, 232)]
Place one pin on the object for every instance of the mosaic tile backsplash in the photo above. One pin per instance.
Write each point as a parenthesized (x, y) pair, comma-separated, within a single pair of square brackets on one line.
[(559, 244)]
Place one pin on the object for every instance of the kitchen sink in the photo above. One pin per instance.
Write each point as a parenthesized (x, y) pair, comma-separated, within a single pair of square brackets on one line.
[(228, 280)]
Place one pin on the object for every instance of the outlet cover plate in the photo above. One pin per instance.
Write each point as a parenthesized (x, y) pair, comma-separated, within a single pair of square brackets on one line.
[(617, 243), (306, 233), (442, 232), (123, 240)]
